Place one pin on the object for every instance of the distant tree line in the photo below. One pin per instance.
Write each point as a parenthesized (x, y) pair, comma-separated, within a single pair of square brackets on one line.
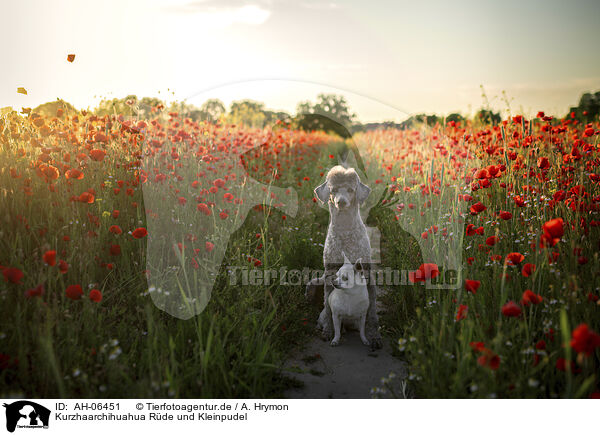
[(588, 108), (330, 113)]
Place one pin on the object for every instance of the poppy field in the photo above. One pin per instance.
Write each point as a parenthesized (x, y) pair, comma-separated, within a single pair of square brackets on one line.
[(100, 214)]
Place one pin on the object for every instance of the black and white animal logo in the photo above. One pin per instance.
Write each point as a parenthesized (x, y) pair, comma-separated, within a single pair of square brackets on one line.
[(26, 414)]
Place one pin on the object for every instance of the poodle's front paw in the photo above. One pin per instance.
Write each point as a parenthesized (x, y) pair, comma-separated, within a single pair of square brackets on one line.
[(326, 334), (335, 342), (365, 341), (373, 335), (375, 343)]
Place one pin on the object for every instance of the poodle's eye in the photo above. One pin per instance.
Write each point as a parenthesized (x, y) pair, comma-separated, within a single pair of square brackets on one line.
[(344, 278)]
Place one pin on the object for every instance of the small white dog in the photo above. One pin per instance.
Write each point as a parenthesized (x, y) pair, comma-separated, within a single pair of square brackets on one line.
[(349, 300)]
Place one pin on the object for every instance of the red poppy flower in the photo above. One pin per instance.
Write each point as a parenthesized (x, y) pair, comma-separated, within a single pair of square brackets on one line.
[(462, 312), (491, 241), (51, 172), (115, 229), (543, 163), (505, 215), (477, 208), (228, 197), (489, 359), (97, 155), (584, 340), (530, 297), (35, 292), (520, 202), (477, 346), (528, 269), (425, 272), (86, 198), (494, 362), (74, 174), (482, 174), (49, 258), (74, 292), (511, 309), (12, 275), (139, 233), (472, 286), (95, 295), (209, 246), (204, 209), (115, 250), (115, 214), (553, 231), (514, 258), (63, 266)]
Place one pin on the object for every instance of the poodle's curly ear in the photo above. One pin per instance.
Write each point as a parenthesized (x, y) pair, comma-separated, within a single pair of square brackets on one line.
[(362, 193), (322, 192)]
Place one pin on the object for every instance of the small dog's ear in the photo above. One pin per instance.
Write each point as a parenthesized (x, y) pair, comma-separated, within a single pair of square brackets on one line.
[(322, 192), (362, 192), (358, 265)]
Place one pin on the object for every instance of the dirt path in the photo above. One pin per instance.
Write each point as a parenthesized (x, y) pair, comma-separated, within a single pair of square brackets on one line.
[(347, 371)]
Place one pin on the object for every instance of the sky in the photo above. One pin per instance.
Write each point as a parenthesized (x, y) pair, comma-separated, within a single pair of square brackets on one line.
[(389, 58)]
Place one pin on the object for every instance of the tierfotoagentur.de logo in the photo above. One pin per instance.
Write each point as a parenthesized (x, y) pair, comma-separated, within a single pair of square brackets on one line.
[(25, 414)]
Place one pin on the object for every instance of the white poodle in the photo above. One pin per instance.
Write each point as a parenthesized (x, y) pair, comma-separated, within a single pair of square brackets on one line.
[(344, 193)]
